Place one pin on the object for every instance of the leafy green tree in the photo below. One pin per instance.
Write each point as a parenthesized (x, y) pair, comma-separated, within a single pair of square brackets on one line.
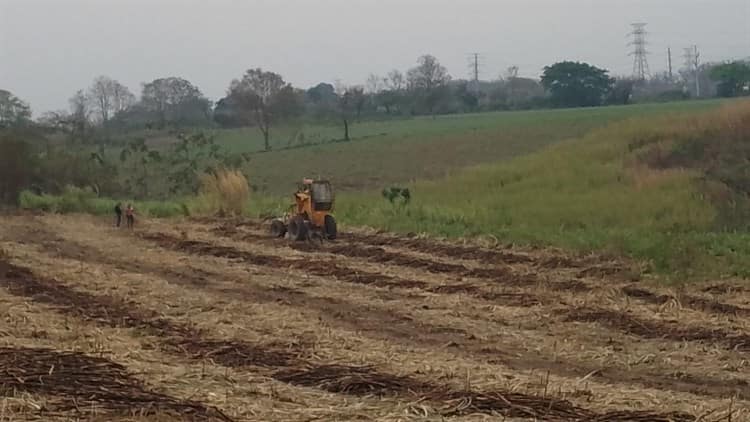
[(428, 81), (190, 157), (13, 111), (575, 84), (137, 161), (733, 78), (175, 101), (265, 99), (16, 168)]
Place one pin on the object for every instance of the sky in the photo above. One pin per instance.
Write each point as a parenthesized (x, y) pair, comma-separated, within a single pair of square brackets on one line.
[(51, 48)]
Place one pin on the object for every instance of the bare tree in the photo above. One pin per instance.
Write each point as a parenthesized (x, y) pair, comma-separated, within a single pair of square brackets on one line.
[(108, 97), (266, 97), (374, 84), (395, 80), (428, 79)]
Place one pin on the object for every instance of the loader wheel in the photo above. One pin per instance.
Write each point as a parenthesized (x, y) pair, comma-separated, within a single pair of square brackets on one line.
[(330, 227), (298, 228), (278, 228)]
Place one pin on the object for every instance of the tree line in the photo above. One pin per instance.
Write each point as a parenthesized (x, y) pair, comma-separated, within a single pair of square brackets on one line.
[(263, 99)]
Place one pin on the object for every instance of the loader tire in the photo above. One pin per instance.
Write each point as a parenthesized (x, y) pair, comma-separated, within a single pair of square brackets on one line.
[(330, 227), (278, 228), (298, 228)]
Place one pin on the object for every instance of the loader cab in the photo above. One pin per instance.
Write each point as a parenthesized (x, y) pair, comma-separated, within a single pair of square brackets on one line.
[(321, 193)]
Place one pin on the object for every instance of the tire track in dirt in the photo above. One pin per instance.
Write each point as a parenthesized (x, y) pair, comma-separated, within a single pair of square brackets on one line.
[(291, 367), (73, 382), (390, 325)]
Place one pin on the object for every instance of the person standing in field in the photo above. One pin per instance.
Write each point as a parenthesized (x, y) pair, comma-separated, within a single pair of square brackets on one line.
[(130, 216), (118, 214)]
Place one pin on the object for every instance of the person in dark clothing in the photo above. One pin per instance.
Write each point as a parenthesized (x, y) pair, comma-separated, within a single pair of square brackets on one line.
[(118, 214)]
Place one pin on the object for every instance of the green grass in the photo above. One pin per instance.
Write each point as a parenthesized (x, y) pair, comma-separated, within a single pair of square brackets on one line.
[(583, 194), (75, 200)]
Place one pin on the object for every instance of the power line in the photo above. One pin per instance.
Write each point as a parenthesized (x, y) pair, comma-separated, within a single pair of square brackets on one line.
[(640, 62)]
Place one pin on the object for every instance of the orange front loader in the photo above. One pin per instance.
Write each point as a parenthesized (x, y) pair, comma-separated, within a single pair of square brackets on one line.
[(310, 213)]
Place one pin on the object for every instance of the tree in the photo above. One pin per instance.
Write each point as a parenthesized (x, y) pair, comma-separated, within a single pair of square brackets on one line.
[(428, 80), (395, 80), (265, 98), (109, 97), (227, 113), (733, 78), (16, 165), (347, 105), (137, 159), (621, 92), (374, 84), (13, 111), (575, 84), (175, 101), (79, 118)]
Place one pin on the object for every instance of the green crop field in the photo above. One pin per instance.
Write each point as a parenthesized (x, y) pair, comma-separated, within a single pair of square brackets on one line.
[(400, 151)]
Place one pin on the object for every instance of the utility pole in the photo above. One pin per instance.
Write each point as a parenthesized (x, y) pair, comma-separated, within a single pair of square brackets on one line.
[(692, 62), (639, 53), (669, 58)]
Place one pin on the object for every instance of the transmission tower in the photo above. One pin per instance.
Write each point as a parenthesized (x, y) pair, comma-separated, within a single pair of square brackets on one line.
[(474, 66), (639, 53)]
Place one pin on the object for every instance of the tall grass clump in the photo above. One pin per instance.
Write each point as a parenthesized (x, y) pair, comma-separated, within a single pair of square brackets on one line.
[(224, 192)]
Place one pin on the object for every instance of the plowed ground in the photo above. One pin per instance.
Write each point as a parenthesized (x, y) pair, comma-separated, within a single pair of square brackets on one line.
[(210, 319)]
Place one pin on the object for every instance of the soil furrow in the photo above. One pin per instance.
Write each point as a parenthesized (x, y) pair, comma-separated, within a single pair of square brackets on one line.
[(379, 255), (390, 325), (651, 329), (73, 382), (587, 266), (291, 367), (687, 301), (329, 268)]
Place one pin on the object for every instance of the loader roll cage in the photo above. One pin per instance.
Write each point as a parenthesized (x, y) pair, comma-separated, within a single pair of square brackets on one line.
[(322, 196)]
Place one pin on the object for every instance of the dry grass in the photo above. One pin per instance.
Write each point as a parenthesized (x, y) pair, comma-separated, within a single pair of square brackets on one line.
[(225, 191), (454, 340)]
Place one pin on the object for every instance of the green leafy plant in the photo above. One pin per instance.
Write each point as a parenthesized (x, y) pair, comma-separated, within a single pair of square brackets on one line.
[(397, 196)]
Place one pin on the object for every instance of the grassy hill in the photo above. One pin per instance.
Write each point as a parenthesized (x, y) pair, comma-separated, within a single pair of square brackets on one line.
[(649, 187), (396, 151)]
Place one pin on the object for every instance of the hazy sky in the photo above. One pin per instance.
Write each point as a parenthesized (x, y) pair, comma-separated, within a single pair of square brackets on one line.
[(51, 48)]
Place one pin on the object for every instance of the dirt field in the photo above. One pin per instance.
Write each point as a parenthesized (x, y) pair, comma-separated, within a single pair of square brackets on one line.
[(212, 320)]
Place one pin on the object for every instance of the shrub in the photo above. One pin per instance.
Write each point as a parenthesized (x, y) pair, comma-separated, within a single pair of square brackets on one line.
[(225, 191), (16, 168)]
